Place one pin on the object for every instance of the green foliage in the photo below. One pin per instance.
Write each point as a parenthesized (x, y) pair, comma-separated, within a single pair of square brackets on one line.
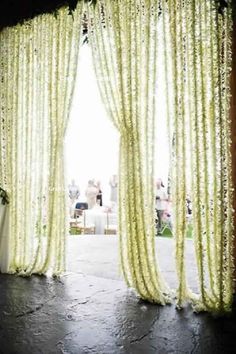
[(75, 231)]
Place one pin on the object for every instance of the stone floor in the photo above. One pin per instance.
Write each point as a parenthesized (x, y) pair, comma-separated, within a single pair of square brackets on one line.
[(90, 310), (99, 256)]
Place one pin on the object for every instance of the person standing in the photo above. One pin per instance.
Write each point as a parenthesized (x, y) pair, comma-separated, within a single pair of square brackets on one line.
[(113, 184), (161, 200), (74, 191), (91, 194), (99, 195), (74, 194)]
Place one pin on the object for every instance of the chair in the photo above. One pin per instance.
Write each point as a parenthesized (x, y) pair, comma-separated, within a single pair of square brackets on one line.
[(111, 226), (86, 229), (75, 227), (78, 213), (78, 226), (79, 207), (82, 206)]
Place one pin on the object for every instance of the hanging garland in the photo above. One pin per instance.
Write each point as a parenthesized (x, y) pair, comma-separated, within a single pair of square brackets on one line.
[(124, 42), (202, 57), (35, 101)]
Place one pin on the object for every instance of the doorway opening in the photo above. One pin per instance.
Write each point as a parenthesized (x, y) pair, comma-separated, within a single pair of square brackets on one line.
[(92, 155), (91, 158)]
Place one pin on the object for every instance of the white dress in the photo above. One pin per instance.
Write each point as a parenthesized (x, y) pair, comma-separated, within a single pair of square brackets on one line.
[(91, 194), (113, 197), (161, 203)]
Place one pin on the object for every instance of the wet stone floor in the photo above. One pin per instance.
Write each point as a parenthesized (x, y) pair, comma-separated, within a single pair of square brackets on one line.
[(90, 310)]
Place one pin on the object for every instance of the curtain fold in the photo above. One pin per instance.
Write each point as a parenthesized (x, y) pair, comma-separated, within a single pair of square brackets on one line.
[(38, 68), (123, 37), (124, 44), (201, 47)]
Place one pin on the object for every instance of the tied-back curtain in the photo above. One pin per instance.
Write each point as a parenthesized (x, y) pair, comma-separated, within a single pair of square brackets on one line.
[(38, 63), (123, 37), (201, 51)]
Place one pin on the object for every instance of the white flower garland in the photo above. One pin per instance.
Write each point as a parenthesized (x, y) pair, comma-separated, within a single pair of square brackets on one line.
[(38, 66), (116, 31), (202, 60), (123, 37)]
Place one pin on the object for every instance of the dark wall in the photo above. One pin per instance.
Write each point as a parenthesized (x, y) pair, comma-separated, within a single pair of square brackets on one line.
[(16, 11)]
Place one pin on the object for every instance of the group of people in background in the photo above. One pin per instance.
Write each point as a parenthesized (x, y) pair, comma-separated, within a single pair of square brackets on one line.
[(94, 197), (93, 192)]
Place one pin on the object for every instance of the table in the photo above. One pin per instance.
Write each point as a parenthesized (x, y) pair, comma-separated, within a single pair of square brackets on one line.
[(99, 218)]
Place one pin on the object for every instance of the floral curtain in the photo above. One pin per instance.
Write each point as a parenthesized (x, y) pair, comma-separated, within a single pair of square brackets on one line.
[(201, 51), (123, 38), (38, 68), (38, 63), (196, 34)]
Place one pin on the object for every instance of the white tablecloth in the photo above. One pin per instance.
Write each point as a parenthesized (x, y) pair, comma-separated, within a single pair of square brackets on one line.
[(99, 219)]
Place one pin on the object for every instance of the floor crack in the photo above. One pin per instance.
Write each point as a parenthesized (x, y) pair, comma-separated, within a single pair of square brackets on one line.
[(60, 342), (147, 333), (37, 308)]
